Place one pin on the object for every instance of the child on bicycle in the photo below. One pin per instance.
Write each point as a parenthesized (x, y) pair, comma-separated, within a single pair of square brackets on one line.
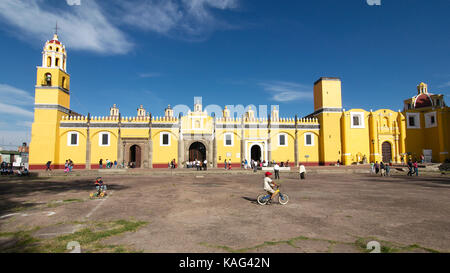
[(269, 185), (99, 185)]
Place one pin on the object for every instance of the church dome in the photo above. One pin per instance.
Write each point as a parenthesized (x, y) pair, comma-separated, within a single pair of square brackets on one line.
[(422, 101)]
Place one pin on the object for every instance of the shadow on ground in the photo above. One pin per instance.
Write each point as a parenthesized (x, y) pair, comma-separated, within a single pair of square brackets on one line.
[(13, 189)]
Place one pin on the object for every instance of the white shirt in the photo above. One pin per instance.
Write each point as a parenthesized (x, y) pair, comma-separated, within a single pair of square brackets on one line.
[(276, 167), (267, 184), (302, 169)]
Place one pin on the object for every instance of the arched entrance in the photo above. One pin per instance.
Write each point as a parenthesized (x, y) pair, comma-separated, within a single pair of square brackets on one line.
[(197, 151), (135, 156), (386, 149), (255, 153)]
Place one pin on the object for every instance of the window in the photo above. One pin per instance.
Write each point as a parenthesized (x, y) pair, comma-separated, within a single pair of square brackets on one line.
[(72, 139), (357, 120), (228, 139), (309, 139), (282, 140), (48, 79), (165, 139), (413, 120), (57, 62), (103, 139), (430, 120)]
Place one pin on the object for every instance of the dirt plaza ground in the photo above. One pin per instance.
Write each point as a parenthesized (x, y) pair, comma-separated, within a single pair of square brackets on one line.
[(216, 211)]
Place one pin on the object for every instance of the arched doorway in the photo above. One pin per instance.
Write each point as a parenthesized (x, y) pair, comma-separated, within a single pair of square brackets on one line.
[(197, 151), (386, 149), (135, 156), (255, 153)]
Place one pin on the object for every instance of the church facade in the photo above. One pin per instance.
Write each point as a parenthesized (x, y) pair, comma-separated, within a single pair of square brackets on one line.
[(328, 135)]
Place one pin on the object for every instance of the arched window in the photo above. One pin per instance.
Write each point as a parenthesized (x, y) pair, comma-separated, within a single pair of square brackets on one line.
[(57, 62), (57, 49), (63, 83), (49, 61), (48, 79)]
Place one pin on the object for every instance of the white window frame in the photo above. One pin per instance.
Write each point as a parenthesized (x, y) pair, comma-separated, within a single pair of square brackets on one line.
[(428, 123), (285, 140), (360, 115), (416, 120), (161, 138), (312, 139), (69, 139), (100, 139), (225, 139)]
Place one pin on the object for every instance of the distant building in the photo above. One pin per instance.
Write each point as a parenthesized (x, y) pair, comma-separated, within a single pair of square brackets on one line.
[(328, 135)]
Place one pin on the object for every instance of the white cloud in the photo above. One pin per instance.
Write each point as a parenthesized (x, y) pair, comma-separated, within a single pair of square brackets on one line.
[(13, 95), (444, 85), (287, 91), (84, 27), (14, 110), (150, 75), (184, 19)]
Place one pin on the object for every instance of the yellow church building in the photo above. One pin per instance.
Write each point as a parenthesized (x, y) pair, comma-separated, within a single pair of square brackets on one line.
[(328, 135)]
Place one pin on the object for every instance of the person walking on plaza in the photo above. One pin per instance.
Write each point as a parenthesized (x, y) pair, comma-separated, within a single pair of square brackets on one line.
[(48, 164), (302, 172), (100, 163), (255, 166), (205, 165), (377, 167), (410, 168), (229, 164), (416, 168), (382, 168), (388, 168), (225, 162), (276, 168), (372, 168)]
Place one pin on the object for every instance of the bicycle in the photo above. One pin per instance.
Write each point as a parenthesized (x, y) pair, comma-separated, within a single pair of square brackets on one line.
[(263, 199)]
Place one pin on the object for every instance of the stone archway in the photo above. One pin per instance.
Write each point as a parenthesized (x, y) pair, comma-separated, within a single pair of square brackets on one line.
[(197, 151)]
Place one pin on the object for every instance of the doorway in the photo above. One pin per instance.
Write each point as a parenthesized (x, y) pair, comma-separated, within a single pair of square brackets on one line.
[(386, 149), (197, 151), (256, 153), (135, 156)]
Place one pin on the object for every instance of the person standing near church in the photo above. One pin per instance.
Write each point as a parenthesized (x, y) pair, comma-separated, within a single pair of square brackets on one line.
[(302, 172), (276, 168), (100, 163)]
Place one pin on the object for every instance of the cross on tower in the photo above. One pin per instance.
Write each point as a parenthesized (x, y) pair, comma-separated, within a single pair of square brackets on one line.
[(56, 28)]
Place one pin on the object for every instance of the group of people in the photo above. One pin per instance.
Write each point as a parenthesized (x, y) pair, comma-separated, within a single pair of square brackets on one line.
[(245, 164), (173, 164), (109, 164), (197, 164), (381, 168), (68, 166), (413, 168), (7, 169)]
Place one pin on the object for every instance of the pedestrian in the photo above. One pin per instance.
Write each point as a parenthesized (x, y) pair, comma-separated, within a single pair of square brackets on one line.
[(372, 168), (276, 168), (205, 165), (388, 168), (302, 172), (377, 167), (422, 157), (416, 168), (70, 165), (382, 168), (225, 164), (410, 168), (255, 167), (66, 166), (100, 163), (229, 164), (115, 164), (48, 164)]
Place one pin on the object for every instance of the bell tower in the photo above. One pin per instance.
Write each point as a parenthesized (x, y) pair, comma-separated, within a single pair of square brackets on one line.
[(52, 101)]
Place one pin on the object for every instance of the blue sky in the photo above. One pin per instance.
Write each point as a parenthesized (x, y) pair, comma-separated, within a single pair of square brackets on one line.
[(230, 52)]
